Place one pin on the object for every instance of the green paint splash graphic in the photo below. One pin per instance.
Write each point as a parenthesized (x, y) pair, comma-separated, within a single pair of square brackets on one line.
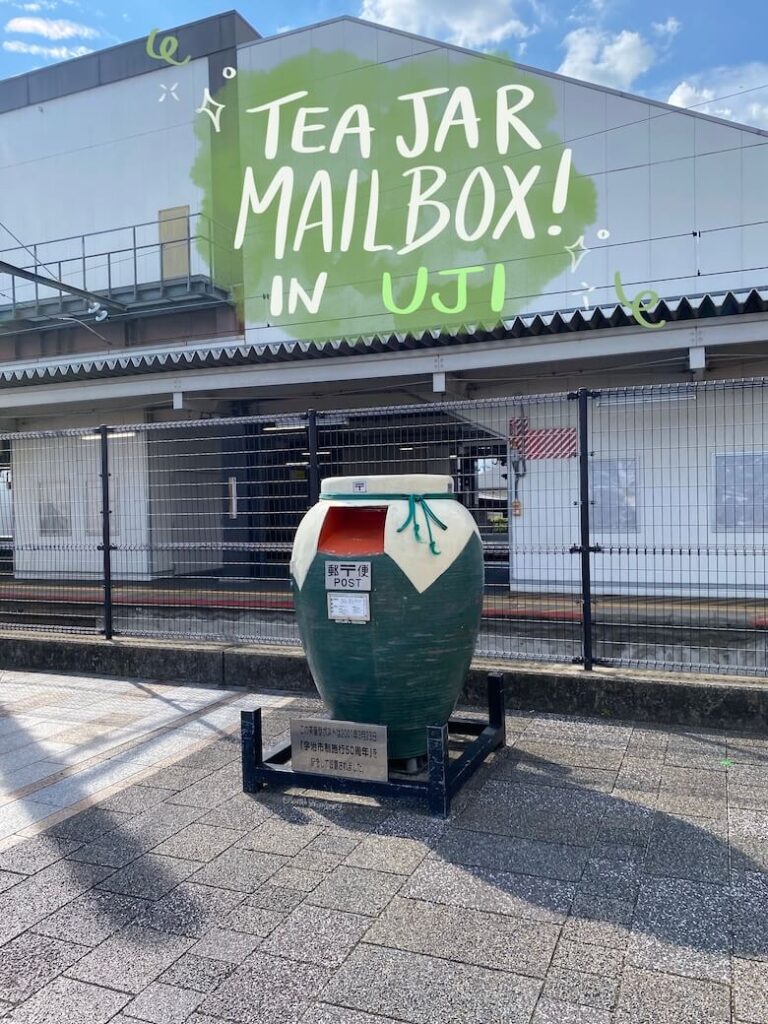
[(501, 276)]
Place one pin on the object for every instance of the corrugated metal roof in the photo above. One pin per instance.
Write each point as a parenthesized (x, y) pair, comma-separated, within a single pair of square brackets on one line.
[(235, 352)]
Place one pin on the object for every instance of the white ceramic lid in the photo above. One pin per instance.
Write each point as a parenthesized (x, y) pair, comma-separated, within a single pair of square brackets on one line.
[(405, 483)]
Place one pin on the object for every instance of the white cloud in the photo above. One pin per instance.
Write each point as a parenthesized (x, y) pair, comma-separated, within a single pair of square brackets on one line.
[(613, 60), (668, 28), (51, 52), (475, 24), (734, 93), (51, 28)]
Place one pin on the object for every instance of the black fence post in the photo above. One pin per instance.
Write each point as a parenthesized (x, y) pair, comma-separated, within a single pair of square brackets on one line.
[(106, 533), (585, 548), (314, 462)]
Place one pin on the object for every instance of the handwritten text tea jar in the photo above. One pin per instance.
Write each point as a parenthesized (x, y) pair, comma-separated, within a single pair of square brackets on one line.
[(388, 590)]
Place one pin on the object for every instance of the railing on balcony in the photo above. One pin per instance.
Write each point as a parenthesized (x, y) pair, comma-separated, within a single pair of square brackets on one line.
[(136, 263)]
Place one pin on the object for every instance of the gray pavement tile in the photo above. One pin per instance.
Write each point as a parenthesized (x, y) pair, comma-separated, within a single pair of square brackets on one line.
[(422, 989), (695, 782), (35, 854), (213, 791), (504, 853), (569, 986), (199, 973), (748, 750), (684, 805), (523, 768), (241, 870), (412, 825), (611, 877), (749, 895), (650, 997), (172, 816), (343, 816), (278, 836), (626, 820), (639, 775), (690, 848), (697, 754), (315, 862), (552, 1011), (133, 799), (254, 920), (538, 899), (123, 846), (8, 879), (589, 959), (304, 880), (176, 778), (267, 988), (750, 990), (355, 890), (199, 842), (388, 853), (30, 961), (469, 936), (749, 840), (316, 935), (333, 845), (212, 757), (91, 918), (196, 1018), (40, 895), (88, 825), (227, 945), (600, 921), (150, 876), (244, 811), (65, 1001), (164, 1004), (323, 1013), (576, 755), (273, 897), (131, 959), (542, 813), (752, 798), (683, 928), (189, 909), (589, 731)]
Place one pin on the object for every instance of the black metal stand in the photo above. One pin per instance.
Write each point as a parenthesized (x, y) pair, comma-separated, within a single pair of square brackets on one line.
[(444, 777)]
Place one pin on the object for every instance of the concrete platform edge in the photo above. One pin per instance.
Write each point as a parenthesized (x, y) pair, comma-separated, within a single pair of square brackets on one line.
[(665, 698)]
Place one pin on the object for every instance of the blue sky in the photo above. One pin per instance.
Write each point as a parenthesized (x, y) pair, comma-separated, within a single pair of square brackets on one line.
[(689, 52)]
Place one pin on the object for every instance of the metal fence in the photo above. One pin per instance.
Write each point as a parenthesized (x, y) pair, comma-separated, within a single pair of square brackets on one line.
[(623, 527)]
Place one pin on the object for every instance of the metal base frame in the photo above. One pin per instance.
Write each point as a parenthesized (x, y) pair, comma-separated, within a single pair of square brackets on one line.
[(445, 776)]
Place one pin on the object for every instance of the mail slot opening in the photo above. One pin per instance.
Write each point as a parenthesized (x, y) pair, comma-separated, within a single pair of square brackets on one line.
[(353, 531)]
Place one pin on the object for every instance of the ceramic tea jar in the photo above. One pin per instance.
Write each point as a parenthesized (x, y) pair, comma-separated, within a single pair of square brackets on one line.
[(388, 589)]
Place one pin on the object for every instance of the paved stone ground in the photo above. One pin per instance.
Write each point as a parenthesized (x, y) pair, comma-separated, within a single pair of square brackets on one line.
[(595, 872)]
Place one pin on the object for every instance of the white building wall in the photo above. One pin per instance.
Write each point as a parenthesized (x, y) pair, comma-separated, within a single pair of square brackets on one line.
[(96, 161)]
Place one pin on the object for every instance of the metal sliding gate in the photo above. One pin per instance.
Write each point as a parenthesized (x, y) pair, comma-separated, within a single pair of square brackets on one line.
[(621, 527)]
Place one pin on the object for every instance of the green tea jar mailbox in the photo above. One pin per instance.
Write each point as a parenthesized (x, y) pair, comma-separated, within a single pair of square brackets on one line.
[(388, 590)]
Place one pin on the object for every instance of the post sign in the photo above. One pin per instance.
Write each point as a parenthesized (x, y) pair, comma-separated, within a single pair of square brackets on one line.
[(347, 575), (349, 607), (345, 749)]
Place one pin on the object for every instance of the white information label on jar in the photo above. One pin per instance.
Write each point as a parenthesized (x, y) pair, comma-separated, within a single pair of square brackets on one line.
[(347, 575), (348, 607)]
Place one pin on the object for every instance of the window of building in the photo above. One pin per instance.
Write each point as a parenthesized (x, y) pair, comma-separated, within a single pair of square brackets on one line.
[(614, 496), (53, 509), (741, 491)]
